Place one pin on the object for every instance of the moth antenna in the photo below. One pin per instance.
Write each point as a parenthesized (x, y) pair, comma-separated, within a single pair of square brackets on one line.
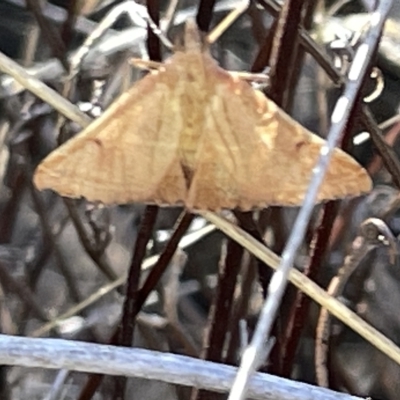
[(193, 40)]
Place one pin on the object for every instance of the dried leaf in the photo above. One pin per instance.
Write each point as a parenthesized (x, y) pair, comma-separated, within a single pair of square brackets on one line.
[(193, 134)]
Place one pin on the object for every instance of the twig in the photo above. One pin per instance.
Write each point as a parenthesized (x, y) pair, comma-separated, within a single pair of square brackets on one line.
[(171, 295), (131, 306), (153, 40), (309, 9), (310, 288), (148, 286), (238, 340), (300, 308), (160, 266), (112, 43), (305, 40), (372, 234), (58, 15), (58, 385), (219, 30), (389, 157), (247, 223), (41, 90), (49, 33), (147, 364), (99, 259), (10, 284), (136, 12), (43, 254), (149, 262), (340, 115), (283, 55), (68, 26), (205, 14), (389, 122), (169, 15), (51, 241), (221, 311), (286, 60)]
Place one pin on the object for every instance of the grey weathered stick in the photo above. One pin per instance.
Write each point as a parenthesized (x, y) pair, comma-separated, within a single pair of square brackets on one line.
[(147, 364)]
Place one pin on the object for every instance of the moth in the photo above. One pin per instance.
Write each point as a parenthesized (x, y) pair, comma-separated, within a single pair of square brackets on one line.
[(193, 134)]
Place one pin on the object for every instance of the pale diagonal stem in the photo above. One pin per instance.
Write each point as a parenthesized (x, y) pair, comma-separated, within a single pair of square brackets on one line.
[(251, 357)]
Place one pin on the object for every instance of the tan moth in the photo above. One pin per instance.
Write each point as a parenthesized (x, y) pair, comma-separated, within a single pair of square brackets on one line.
[(193, 134)]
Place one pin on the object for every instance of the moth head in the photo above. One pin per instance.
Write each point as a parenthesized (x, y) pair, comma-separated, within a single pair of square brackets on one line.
[(193, 38)]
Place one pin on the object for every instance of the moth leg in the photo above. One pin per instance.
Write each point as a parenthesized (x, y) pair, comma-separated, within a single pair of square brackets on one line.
[(145, 64), (262, 77)]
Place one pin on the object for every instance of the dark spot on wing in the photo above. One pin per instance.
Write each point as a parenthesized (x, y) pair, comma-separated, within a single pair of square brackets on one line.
[(300, 144), (97, 141)]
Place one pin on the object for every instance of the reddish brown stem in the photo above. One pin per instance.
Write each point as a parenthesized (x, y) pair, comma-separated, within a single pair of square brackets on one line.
[(130, 308)]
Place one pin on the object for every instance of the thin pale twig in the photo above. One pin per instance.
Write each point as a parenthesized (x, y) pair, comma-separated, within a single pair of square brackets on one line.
[(218, 31), (389, 122), (41, 90), (187, 241), (309, 287), (372, 233), (169, 15), (58, 385), (340, 115)]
